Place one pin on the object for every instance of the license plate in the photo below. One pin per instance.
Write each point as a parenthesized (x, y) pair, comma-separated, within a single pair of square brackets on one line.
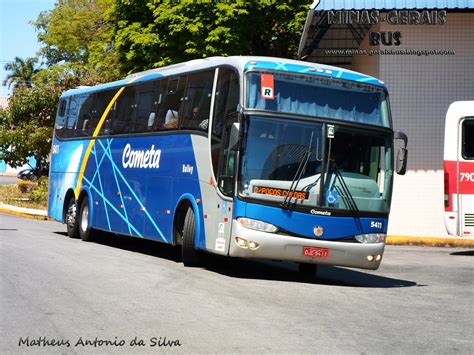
[(312, 252)]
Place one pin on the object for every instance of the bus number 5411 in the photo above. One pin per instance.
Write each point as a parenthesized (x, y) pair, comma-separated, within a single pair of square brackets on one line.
[(467, 177)]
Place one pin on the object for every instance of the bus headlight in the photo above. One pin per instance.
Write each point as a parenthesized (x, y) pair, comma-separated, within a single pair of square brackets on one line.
[(370, 238), (257, 225)]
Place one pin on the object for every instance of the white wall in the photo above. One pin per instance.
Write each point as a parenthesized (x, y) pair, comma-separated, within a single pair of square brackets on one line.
[(421, 89)]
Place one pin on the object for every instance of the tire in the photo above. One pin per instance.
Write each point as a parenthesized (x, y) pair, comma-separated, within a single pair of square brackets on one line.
[(191, 256), (308, 271), (86, 233), (71, 219)]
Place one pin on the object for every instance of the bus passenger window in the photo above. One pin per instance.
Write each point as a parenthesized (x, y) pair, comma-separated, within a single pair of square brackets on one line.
[(102, 101), (85, 121), (468, 139), (147, 101), (74, 106), (123, 115), (170, 109), (61, 117), (197, 101)]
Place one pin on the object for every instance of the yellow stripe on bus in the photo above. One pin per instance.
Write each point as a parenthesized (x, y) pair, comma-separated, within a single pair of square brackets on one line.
[(92, 141)]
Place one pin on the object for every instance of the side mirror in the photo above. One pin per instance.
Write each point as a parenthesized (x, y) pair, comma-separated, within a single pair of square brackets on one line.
[(402, 154), (234, 136)]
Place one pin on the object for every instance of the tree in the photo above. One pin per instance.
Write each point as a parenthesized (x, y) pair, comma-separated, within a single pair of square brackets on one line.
[(156, 33), (79, 34), (26, 126), (21, 72)]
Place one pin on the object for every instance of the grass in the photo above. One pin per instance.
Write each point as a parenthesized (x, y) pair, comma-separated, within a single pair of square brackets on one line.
[(12, 195)]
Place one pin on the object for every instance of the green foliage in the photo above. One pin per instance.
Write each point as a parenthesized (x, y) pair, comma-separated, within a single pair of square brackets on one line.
[(21, 72), (26, 126), (40, 193), (155, 33), (79, 34)]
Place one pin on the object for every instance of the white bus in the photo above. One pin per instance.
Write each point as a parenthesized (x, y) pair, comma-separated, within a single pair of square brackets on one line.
[(459, 169)]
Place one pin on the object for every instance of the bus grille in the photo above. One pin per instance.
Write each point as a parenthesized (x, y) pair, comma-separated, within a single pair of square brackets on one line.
[(469, 220)]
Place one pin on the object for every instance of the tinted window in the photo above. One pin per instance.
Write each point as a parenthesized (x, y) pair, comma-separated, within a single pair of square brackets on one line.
[(468, 139), (75, 104), (172, 103), (86, 122), (227, 98), (123, 116), (147, 101), (103, 99), (195, 114), (314, 96), (226, 101), (61, 117)]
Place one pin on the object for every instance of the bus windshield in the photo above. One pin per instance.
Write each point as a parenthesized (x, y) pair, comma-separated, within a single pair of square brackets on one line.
[(289, 158), (311, 95)]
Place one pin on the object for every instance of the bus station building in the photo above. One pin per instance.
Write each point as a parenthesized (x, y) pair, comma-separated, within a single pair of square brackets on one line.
[(424, 52)]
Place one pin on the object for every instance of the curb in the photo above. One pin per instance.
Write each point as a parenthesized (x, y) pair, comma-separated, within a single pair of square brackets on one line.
[(22, 211), (453, 242)]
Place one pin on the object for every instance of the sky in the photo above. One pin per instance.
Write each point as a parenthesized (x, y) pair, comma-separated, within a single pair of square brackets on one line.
[(17, 35)]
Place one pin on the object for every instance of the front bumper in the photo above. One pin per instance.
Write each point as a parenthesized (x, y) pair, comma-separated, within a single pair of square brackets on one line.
[(283, 247)]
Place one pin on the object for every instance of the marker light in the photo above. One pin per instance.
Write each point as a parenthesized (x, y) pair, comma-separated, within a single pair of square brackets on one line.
[(241, 242), (257, 225), (370, 238), (378, 257), (253, 245), (370, 257)]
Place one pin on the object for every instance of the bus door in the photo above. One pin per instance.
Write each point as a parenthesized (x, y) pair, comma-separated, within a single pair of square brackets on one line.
[(223, 160), (466, 176)]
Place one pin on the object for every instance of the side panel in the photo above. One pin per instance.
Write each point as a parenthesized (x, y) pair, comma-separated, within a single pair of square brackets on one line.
[(135, 182), (66, 158)]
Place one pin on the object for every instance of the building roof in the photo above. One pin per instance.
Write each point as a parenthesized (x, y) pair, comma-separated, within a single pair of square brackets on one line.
[(392, 4)]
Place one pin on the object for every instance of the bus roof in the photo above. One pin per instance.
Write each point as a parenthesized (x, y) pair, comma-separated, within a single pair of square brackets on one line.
[(242, 64)]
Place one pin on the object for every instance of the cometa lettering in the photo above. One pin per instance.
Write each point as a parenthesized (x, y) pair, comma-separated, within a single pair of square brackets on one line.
[(135, 158)]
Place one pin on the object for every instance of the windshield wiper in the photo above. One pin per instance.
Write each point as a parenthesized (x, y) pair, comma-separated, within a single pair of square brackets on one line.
[(346, 192), (347, 195), (299, 172)]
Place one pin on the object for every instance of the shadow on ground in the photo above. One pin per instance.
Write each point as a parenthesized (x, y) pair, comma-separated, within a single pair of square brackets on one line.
[(464, 252), (255, 269), (137, 245)]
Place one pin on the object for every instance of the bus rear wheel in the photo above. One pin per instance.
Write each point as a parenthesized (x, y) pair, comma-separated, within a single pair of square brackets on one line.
[(85, 231), (189, 254), (71, 219)]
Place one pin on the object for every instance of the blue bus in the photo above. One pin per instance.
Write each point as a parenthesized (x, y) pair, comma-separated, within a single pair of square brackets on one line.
[(250, 157)]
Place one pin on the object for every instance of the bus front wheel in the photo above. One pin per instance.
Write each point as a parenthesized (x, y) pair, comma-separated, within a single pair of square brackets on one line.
[(85, 231), (190, 256), (71, 219)]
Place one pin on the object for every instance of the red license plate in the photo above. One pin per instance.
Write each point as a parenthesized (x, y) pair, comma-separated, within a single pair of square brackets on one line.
[(312, 252)]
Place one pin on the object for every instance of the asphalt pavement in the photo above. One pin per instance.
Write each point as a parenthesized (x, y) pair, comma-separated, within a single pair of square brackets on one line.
[(62, 295)]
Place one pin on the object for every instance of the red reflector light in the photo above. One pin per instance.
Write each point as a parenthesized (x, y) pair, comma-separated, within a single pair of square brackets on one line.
[(451, 217), (467, 232), (446, 190)]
